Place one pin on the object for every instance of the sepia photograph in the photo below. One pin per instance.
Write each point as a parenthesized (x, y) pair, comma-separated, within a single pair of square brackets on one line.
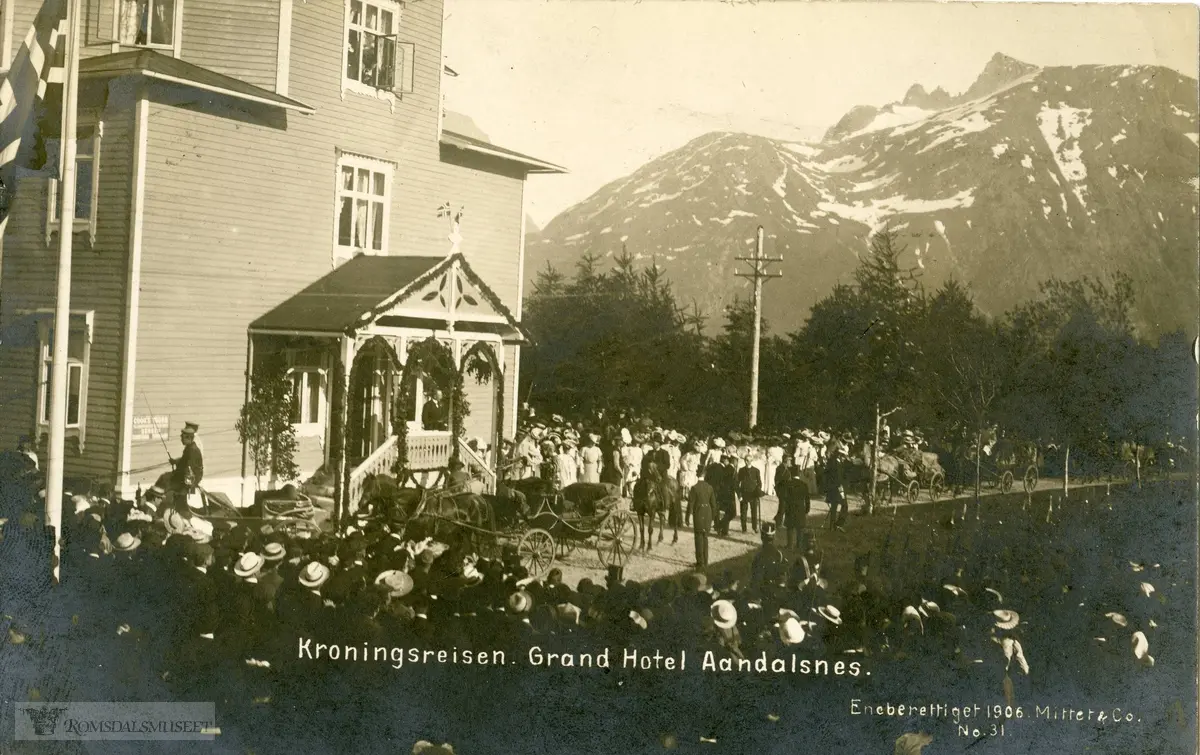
[(461, 377)]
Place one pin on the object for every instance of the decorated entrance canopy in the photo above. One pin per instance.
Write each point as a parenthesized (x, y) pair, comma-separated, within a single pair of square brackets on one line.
[(441, 293)]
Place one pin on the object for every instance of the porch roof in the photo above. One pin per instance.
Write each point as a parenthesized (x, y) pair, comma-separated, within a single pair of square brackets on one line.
[(155, 65), (367, 287)]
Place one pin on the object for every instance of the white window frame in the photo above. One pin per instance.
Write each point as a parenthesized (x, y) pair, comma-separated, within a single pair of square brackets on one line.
[(309, 425), (176, 31), (41, 409), (52, 187), (375, 165), (402, 73), (308, 370)]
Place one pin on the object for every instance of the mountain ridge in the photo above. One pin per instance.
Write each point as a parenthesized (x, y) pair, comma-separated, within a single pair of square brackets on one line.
[(1054, 172)]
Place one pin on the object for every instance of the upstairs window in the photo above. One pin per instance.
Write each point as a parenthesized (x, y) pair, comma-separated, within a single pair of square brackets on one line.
[(375, 62), (87, 181), (364, 195), (148, 23)]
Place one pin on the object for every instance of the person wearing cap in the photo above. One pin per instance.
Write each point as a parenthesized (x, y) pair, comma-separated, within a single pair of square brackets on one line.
[(188, 470)]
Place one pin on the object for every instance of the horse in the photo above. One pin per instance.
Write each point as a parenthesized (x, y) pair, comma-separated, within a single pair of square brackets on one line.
[(652, 496), (423, 513)]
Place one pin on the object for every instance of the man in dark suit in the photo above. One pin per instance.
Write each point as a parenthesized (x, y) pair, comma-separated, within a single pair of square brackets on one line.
[(701, 501), (750, 491), (835, 486), (726, 491), (188, 468)]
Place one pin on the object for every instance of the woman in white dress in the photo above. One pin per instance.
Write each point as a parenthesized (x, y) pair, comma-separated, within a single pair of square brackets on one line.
[(590, 457), (689, 474)]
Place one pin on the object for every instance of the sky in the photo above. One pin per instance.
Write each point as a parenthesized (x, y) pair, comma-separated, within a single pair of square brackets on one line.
[(603, 86)]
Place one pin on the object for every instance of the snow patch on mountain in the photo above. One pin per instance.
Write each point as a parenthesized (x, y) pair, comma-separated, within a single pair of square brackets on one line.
[(971, 124), (999, 149), (896, 115), (800, 148), (874, 213), (780, 185)]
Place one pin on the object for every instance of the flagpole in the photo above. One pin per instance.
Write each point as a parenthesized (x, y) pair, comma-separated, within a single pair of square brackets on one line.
[(62, 310)]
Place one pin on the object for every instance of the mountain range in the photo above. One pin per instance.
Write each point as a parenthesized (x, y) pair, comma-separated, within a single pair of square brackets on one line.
[(1028, 174)]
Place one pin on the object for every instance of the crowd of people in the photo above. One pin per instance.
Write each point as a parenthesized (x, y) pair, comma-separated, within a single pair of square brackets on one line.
[(215, 607)]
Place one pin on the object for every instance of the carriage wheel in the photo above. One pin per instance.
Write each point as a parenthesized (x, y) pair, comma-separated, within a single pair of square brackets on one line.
[(1031, 478), (911, 491), (616, 540), (536, 551), (937, 486), (1006, 481)]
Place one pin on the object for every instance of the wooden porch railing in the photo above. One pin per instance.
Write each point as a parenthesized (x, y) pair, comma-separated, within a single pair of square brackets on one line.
[(379, 462), (478, 467), (426, 452)]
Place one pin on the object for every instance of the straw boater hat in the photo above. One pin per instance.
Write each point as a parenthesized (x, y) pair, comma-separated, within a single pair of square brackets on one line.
[(718, 442), (397, 582), (274, 551), (1006, 619), (791, 629), (830, 614), (724, 615), (126, 542), (82, 503), (174, 522), (520, 602), (248, 565), (314, 574)]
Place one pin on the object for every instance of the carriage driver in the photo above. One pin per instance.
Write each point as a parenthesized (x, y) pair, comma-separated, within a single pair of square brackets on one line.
[(188, 471)]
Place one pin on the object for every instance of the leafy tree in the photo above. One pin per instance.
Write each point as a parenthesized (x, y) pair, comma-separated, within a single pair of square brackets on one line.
[(265, 424)]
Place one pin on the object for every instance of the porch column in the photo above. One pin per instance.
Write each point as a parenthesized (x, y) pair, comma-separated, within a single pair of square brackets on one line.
[(339, 416)]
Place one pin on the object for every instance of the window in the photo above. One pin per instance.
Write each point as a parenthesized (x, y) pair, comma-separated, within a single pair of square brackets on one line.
[(375, 62), (78, 349), (87, 181), (310, 389), (308, 396), (363, 198), (148, 23)]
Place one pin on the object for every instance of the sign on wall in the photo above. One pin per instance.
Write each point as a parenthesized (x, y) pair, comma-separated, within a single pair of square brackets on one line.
[(151, 428)]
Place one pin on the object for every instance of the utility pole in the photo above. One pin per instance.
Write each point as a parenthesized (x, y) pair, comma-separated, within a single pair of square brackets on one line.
[(62, 310), (758, 273)]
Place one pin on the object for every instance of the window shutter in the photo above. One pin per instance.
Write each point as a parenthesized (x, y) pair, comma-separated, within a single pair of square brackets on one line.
[(405, 52), (387, 63)]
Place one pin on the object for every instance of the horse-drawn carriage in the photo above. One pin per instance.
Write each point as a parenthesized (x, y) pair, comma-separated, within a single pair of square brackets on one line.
[(541, 522), (998, 465), (906, 472)]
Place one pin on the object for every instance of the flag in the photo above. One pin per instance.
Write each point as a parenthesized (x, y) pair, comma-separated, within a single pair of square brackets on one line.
[(39, 63)]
